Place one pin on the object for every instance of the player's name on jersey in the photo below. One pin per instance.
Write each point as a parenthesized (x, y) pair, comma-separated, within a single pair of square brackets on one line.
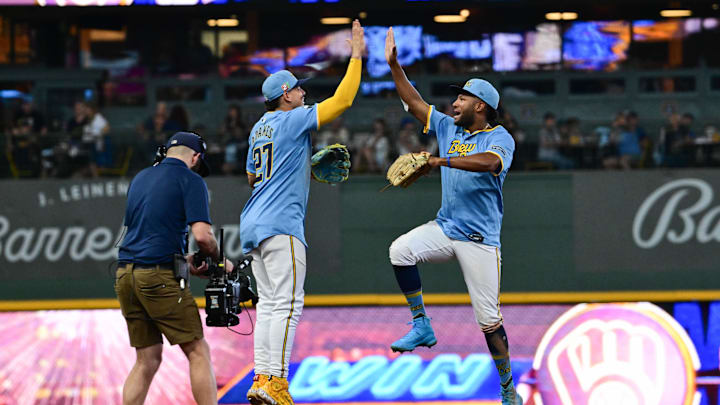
[(263, 131)]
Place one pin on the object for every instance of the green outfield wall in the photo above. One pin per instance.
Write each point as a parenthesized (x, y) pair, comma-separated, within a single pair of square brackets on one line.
[(570, 232)]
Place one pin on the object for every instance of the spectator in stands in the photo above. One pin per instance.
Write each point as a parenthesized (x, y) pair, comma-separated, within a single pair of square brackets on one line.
[(233, 123), (336, 132), (27, 133), (626, 141), (510, 123), (575, 135), (407, 139), (178, 119), (155, 131), (635, 137), (610, 142), (686, 126), (160, 115), (95, 139), (675, 139), (374, 155), (76, 123), (234, 135), (78, 158), (550, 141)]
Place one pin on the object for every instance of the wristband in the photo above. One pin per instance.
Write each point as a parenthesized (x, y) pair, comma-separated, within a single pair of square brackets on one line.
[(448, 161)]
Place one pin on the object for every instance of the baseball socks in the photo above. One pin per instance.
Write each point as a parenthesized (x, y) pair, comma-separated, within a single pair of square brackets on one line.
[(498, 346), (408, 278)]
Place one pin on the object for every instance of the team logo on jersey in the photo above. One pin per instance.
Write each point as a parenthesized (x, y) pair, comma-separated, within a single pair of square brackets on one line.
[(499, 149), (461, 148), (476, 237)]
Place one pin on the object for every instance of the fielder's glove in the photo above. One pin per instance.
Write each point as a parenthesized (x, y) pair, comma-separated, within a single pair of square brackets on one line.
[(331, 164), (407, 168)]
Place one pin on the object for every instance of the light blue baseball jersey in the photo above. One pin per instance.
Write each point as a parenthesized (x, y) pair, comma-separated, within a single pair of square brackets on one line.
[(279, 156), (472, 202)]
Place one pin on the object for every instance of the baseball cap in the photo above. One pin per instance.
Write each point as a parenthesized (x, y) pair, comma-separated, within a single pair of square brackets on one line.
[(194, 142), (279, 82), (481, 89)]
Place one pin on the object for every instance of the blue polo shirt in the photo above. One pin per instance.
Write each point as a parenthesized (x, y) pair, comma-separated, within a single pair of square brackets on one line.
[(161, 202)]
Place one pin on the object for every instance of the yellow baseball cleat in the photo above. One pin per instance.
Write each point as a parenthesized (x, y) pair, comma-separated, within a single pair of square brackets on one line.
[(253, 393), (275, 392)]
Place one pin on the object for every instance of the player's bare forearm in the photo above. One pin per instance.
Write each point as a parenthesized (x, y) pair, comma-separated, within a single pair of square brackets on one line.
[(416, 105), (251, 179), (480, 162)]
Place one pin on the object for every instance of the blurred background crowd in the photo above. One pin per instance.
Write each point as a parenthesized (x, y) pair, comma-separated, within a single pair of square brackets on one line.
[(94, 94), (82, 146)]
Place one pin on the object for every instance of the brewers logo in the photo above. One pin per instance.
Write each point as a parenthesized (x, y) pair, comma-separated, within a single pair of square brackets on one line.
[(461, 148), (631, 353)]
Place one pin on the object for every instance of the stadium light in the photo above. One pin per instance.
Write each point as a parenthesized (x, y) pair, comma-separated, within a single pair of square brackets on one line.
[(465, 12), (335, 20), (675, 13), (565, 15), (449, 18)]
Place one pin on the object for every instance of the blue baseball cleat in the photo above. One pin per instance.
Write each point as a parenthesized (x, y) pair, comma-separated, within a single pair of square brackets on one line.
[(510, 396), (421, 334)]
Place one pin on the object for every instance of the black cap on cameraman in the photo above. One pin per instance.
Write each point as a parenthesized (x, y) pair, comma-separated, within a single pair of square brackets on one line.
[(194, 142)]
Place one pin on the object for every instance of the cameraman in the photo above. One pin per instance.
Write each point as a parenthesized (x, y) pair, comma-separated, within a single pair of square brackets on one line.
[(162, 201)]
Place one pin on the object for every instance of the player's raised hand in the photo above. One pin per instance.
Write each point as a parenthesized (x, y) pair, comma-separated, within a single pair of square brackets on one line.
[(358, 40), (390, 49)]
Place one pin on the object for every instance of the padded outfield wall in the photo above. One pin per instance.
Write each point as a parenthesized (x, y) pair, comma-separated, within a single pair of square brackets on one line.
[(599, 235)]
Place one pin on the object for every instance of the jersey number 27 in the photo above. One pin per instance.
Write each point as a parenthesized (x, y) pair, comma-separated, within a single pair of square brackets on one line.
[(263, 154)]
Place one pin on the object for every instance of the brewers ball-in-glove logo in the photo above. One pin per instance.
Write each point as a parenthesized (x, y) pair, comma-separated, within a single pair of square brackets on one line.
[(610, 354)]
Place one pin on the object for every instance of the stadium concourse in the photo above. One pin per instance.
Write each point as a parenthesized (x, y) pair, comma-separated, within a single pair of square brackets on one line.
[(609, 206)]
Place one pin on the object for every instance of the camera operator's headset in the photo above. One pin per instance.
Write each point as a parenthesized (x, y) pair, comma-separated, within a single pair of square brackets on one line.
[(161, 153)]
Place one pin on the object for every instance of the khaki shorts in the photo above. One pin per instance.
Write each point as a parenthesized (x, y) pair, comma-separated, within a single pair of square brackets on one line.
[(154, 305)]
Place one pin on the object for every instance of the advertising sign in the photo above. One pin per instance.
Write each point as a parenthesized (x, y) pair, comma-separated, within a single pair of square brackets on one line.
[(589, 354), (647, 223)]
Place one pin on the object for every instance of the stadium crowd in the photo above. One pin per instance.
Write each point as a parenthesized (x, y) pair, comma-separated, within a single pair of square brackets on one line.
[(82, 145)]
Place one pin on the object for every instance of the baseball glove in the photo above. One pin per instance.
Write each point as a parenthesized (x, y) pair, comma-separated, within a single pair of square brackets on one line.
[(407, 168), (331, 164)]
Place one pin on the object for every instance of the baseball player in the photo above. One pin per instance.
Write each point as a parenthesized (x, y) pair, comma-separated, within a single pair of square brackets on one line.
[(475, 156), (272, 222)]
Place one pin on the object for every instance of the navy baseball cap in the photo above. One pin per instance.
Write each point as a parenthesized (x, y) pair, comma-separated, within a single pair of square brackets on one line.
[(481, 89), (194, 142), (278, 83)]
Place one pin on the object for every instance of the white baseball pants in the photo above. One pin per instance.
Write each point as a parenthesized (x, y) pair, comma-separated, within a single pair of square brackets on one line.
[(279, 269), (479, 263)]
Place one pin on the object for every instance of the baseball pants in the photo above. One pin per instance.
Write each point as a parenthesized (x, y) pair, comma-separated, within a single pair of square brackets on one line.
[(279, 269), (480, 265)]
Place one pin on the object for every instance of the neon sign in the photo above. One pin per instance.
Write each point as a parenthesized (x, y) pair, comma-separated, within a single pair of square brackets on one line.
[(634, 354)]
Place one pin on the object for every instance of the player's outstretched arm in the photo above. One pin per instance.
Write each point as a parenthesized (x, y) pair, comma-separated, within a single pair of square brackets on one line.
[(480, 162), (416, 105), (344, 96)]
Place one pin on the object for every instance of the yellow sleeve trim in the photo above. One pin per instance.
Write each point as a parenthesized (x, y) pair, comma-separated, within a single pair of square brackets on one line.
[(502, 163), (249, 172), (427, 121), (344, 96)]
